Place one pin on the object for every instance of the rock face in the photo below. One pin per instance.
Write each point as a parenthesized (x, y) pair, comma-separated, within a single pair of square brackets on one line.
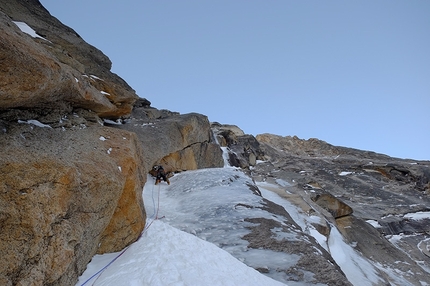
[(353, 191), (75, 155), (178, 142), (313, 257), (56, 196), (58, 68), (243, 150), (73, 189), (77, 144)]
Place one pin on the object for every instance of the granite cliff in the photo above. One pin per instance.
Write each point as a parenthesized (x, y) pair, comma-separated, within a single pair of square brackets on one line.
[(77, 144), (71, 176)]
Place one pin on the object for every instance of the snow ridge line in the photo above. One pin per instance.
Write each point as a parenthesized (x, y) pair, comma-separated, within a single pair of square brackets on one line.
[(153, 217)]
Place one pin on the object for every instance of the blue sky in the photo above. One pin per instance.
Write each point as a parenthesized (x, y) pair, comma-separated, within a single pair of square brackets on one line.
[(351, 73)]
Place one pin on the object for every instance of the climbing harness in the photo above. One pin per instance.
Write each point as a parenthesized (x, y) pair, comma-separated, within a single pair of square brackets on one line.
[(153, 217)]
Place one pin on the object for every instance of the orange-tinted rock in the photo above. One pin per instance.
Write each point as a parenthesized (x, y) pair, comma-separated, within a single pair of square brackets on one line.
[(333, 205), (178, 142), (61, 203), (35, 73)]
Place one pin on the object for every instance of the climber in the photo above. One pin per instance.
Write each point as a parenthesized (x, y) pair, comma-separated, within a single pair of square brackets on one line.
[(160, 175)]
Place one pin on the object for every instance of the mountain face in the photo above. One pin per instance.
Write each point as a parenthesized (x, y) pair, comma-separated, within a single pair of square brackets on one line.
[(77, 144), (369, 198), (71, 172)]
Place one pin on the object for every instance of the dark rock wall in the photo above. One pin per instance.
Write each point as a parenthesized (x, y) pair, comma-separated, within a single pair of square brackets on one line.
[(347, 188)]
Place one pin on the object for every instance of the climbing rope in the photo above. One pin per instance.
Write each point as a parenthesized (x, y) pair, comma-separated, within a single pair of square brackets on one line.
[(152, 218)]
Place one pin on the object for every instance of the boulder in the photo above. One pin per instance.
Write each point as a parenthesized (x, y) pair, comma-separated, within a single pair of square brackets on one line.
[(334, 206), (234, 129)]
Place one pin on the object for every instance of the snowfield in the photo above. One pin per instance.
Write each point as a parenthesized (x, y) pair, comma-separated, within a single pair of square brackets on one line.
[(165, 255), (194, 236)]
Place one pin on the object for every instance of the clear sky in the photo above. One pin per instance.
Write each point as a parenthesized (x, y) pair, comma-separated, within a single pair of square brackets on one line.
[(351, 73)]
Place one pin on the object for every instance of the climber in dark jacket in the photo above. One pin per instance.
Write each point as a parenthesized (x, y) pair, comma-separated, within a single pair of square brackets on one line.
[(161, 175)]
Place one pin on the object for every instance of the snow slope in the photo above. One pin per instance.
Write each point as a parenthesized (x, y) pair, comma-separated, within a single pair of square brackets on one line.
[(165, 255), (212, 205)]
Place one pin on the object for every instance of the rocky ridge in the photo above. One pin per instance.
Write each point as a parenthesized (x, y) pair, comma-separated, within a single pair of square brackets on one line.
[(57, 68), (365, 195)]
